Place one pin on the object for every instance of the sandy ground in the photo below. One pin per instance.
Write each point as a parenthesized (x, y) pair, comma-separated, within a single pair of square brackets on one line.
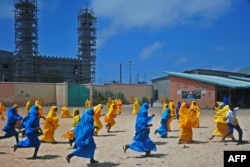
[(109, 152)]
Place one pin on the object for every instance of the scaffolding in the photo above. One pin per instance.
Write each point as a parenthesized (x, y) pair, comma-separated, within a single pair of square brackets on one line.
[(86, 46), (25, 66)]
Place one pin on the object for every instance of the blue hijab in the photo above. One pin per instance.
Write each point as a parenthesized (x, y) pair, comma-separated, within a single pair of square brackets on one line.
[(143, 120), (141, 141), (12, 118), (31, 121), (84, 132), (85, 128)]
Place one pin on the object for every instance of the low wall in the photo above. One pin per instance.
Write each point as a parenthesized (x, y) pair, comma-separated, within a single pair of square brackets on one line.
[(57, 93), (21, 92)]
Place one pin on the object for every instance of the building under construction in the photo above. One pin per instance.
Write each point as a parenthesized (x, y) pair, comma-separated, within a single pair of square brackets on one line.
[(27, 65)]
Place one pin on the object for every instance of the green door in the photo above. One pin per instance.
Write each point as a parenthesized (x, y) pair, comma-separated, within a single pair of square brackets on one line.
[(77, 94)]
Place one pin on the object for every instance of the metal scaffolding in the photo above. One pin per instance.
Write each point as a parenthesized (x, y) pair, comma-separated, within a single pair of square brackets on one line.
[(86, 46), (25, 66)]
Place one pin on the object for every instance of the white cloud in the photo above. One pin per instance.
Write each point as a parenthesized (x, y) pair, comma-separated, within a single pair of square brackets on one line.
[(127, 14), (220, 48), (181, 60), (149, 51)]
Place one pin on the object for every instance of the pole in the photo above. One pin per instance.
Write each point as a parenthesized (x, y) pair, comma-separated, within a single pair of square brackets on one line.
[(130, 76), (120, 72)]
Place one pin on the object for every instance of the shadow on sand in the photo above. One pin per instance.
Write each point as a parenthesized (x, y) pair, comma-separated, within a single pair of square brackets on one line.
[(101, 164), (152, 155), (44, 157)]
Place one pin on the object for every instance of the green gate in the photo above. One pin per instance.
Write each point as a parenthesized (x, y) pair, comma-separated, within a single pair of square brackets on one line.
[(77, 94)]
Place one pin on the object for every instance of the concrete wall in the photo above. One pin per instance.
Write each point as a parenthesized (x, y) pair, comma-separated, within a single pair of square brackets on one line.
[(57, 93), (178, 85), (162, 86), (20, 92)]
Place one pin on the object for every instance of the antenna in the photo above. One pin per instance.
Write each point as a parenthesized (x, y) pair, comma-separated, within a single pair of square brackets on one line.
[(86, 3)]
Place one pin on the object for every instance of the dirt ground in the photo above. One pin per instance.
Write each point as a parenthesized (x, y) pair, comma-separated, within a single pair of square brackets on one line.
[(109, 152)]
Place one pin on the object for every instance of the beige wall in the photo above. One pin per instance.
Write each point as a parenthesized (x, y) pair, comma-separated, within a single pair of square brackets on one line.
[(20, 92), (51, 93), (62, 94), (208, 91)]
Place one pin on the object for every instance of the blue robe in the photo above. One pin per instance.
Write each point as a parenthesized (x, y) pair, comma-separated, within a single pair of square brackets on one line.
[(141, 141), (163, 130), (9, 127), (31, 122), (84, 132)]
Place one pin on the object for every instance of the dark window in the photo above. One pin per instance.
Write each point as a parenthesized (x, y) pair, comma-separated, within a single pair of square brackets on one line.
[(5, 65)]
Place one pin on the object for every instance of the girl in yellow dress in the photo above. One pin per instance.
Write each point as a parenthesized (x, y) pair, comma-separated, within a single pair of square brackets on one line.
[(109, 117), (88, 103), (118, 106), (28, 105), (196, 112), (50, 125), (38, 103), (136, 106), (70, 134), (186, 123), (221, 124), (97, 114), (65, 112), (172, 114), (2, 109)]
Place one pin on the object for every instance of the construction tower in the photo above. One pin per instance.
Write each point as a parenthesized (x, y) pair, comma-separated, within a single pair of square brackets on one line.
[(86, 46), (25, 66)]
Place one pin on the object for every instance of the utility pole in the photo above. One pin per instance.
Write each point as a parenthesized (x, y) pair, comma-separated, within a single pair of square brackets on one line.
[(130, 63)]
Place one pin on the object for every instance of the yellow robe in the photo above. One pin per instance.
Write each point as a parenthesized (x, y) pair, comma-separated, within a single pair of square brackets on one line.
[(88, 104), (40, 108), (28, 105), (186, 123), (97, 115), (172, 114), (109, 102), (50, 125), (136, 106), (65, 112), (110, 115), (221, 125), (2, 109), (118, 106), (164, 102), (196, 112), (76, 119)]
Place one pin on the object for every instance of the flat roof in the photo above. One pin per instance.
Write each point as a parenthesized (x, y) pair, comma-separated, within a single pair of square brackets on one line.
[(216, 80)]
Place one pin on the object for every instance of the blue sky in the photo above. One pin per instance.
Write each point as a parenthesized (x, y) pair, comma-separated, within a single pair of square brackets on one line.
[(157, 36)]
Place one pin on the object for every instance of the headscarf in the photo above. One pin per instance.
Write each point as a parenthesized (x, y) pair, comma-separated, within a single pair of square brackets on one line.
[(31, 121), (84, 130), (76, 117), (12, 118), (166, 114), (52, 117), (142, 120), (97, 111)]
